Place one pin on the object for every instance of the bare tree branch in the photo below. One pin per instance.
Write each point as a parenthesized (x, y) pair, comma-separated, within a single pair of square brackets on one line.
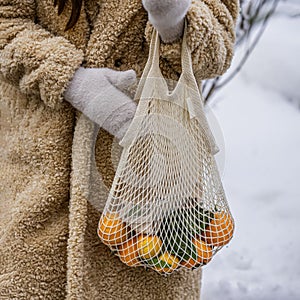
[(252, 23)]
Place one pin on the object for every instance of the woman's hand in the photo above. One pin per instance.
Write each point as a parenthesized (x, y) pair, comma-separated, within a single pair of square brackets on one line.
[(167, 16), (97, 93)]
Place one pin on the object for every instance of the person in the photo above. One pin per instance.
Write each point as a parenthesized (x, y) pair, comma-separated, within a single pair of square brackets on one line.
[(64, 70)]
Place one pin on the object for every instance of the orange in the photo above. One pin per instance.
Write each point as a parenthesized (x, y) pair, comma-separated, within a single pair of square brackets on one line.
[(128, 252), (220, 230), (204, 254), (112, 231), (149, 246), (166, 263)]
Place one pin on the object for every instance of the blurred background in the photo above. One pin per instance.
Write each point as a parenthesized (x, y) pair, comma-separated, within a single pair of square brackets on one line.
[(257, 106)]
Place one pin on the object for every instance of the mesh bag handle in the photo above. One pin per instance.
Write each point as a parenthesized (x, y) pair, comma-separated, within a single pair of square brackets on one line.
[(153, 84), (167, 209)]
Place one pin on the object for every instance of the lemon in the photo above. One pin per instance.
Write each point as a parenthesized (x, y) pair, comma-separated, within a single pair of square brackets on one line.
[(167, 263), (149, 246)]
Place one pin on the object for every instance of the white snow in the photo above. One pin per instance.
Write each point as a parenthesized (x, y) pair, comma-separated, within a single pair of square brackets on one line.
[(261, 128)]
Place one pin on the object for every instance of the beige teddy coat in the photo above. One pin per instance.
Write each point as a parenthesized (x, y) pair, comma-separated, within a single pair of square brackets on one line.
[(55, 167)]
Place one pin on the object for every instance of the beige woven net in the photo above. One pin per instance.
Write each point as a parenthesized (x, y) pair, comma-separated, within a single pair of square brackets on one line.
[(167, 209)]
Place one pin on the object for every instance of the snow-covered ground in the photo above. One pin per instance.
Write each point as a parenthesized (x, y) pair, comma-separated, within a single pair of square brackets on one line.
[(261, 130)]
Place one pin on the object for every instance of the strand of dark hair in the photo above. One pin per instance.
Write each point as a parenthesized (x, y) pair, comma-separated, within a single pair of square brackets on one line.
[(76, 8)]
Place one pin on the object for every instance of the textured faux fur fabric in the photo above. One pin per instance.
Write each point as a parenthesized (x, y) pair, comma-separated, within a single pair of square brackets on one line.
[(56, 166)]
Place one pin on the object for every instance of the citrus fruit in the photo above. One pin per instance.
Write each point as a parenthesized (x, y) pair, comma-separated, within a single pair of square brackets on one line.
[(166, 263), (220, 230), (149, 246), (112, 231), (204, 254), (128, 252)]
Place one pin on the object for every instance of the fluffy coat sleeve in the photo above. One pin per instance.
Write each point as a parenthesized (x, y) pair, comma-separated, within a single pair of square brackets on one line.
[(210, 36), (31, 58)]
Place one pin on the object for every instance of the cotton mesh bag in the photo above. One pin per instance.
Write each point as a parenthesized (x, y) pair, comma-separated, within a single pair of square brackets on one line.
[(167, 209)]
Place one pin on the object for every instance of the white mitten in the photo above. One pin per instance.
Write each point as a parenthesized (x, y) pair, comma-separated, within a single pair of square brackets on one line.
[(167, 16), (97, 93)]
